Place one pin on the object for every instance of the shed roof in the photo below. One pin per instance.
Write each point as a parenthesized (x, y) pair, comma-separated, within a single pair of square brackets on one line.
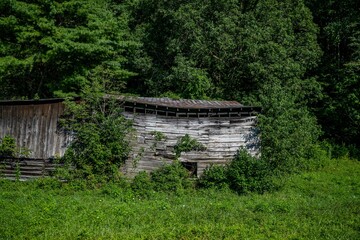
[(186, 107), (184, 103), (166, 106)]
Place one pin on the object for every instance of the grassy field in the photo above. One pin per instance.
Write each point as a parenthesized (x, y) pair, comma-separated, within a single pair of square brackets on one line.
[(317, 205)]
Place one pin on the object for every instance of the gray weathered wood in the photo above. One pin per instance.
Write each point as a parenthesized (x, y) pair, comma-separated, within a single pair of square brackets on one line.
[(222, 137), (35, 127)]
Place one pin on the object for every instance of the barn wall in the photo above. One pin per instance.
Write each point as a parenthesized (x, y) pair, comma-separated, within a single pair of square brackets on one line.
[(35, 127), (221, 136)]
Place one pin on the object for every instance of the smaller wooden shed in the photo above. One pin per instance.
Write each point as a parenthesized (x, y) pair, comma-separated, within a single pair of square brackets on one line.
[(34, 126)]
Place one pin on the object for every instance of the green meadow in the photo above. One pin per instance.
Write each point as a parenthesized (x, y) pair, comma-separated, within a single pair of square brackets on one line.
[(323, 204)]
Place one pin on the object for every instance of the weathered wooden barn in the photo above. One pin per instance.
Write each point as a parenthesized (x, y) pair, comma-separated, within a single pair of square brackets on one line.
[(220, 126)]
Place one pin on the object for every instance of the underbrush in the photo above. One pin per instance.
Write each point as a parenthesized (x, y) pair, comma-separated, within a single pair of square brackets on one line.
[(322, 204), (248, 174), (244, 174)]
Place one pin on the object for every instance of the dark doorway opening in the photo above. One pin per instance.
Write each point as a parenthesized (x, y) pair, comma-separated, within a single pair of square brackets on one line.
[(191, 167)]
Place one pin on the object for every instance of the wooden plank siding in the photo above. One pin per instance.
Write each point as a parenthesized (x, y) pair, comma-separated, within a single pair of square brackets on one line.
[(35, 127), (222, 137), (222, 127), (25, 169)]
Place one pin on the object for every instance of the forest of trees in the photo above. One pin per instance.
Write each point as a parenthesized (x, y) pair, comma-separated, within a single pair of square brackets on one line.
[(297, 59)]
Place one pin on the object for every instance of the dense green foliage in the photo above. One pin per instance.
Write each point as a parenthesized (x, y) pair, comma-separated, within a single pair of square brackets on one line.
[(52, 48), (187, 144), (243, 174), (171, 178), (248, 174), (214, 176), (100, 144), (226, 49), (318, 205), (297, 59), (8, 148), (339, 69)]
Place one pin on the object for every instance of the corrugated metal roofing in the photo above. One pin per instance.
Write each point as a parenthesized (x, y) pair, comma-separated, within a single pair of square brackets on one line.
[(163, 102), (183, 103)]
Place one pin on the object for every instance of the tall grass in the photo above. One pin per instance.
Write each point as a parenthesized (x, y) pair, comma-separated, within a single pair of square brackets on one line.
[(323, 204)]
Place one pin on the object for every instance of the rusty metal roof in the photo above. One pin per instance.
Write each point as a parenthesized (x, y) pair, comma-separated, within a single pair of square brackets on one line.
[(161, 102), (184, 103)]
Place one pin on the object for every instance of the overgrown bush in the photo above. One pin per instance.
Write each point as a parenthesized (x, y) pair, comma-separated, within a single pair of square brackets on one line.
[(8, 149), (246, 173), (171, 177), (318, 156), (7, 146), (343, 150), (213, 176), (243, 174), (288, 131), (142, 184), (101, 137)]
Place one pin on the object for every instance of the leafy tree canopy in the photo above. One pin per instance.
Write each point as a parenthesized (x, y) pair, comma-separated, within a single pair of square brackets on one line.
[(224, 49), (339, 70), (52, 48)]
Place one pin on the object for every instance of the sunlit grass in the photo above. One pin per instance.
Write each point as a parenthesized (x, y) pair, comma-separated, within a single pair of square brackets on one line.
[(317, 205)]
